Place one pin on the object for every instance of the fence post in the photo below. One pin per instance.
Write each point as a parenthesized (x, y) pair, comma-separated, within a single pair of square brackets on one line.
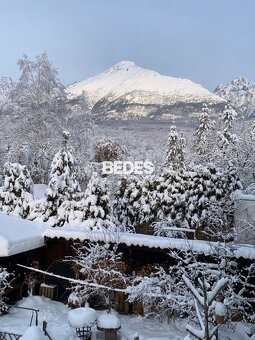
[(44, 326)]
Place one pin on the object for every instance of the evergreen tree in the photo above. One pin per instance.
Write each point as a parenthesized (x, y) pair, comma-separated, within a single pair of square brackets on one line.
[(96, 204), (226, 138), (170, 201), (62, 187), (175, 149), (127, 203), (228, 116), (93, 211), (201, 143), (63, 184), (193, 199), (148, 211), (17, 191)]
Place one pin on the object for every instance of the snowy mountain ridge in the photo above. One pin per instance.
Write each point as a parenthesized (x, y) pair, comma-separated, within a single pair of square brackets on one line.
[(128, 90), (240, 92)]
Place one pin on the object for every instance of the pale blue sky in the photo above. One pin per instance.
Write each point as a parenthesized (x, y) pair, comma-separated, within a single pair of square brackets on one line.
[(208, 41)]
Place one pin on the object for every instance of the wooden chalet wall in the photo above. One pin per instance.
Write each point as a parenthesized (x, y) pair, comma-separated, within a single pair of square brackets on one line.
[(26, 258)]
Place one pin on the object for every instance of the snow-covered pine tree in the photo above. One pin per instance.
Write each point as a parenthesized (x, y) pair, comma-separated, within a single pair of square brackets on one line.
[(226, 138), (200, 192), (148, 210), (232, 179), (17, 191), (170, 201), (209, 199), (101, 265), (127, 203), (96, 204), (93, 211), (218, 222), (228, 116), (201, 142), (175, 149), (62, 187), (191, 198)]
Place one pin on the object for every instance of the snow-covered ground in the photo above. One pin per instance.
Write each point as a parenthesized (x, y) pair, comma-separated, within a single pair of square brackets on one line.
[(56, 315)]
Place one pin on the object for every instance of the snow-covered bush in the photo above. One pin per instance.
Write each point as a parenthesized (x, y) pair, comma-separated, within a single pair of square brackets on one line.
[(109, 150), (238, 292), (102, 267), (93, 211), (156, 294), (4, 284), (170, 292), (178, 198), (17, 191)]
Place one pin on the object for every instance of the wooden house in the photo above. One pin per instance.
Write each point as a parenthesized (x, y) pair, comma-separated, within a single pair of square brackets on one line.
[(33, 244)]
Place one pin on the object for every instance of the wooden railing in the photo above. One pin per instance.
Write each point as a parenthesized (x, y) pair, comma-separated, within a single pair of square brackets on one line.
[(9, 336)]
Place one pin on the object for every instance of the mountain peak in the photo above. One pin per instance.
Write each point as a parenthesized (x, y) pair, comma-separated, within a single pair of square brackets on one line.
[(241, 80), (128, 90), (124, 65), (240, 92)]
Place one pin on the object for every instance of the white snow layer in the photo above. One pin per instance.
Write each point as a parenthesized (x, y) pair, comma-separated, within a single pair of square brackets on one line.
[(82, 317), (33, 333), (56, 315), (108, 321), (140, 240), (18, 235), (220, 308)]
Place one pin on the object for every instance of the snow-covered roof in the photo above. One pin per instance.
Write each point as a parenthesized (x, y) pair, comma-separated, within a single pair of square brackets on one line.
[(129, 239), (239, 195), (18, 235)]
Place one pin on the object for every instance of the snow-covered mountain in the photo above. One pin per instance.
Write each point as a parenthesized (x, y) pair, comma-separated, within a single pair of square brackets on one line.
[(128, 91), (240, 92)]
